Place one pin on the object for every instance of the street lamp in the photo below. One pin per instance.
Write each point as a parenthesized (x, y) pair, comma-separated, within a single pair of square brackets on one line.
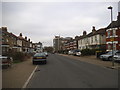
[(112, 35)]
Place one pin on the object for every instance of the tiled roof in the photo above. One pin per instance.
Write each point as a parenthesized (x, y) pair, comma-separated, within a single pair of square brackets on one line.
[(114, 24), (100, 31)]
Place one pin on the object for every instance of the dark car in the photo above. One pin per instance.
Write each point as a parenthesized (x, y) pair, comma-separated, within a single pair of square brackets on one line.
[(39, 57)]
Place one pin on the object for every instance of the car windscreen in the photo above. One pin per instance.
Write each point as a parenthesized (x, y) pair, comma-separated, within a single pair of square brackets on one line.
[(77, 50), (117, 53)]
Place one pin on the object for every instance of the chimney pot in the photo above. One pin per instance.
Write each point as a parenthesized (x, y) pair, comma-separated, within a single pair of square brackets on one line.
[(4, 28)]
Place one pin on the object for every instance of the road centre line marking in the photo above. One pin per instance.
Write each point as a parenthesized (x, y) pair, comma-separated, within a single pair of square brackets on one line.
[(26, 83)]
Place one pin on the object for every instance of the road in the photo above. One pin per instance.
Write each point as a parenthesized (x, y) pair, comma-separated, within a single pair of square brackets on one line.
[(64, 72)]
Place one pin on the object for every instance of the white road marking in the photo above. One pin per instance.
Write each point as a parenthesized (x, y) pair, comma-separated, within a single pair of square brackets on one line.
[(26, 83)]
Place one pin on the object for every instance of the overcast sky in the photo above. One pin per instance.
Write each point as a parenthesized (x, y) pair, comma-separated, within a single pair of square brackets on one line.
[(41, 21)]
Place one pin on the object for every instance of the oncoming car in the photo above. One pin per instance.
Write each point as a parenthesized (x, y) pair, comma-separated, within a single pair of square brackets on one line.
[(39, 57)]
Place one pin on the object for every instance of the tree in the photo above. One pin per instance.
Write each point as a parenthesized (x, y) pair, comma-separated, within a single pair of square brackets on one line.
[(48, 49)]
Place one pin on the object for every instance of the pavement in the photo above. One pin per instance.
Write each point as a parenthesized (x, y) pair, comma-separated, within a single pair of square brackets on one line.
[(18, 74), (93, 60)]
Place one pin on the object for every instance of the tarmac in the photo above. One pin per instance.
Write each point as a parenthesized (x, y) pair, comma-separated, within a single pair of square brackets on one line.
[(93, 60), (19, 74)]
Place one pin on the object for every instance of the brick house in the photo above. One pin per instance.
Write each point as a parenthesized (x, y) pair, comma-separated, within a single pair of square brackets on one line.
[(6, 40), (25, 45), (113, 35), (9, 42)]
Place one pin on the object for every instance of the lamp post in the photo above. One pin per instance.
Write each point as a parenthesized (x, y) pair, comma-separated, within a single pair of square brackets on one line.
[(112, 35)]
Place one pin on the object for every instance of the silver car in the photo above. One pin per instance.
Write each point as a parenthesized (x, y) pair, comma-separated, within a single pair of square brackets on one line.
[(116, 57), (107, 56), (6, 61)]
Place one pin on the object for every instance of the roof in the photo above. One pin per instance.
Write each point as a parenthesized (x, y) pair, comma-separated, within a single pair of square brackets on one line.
[(114, 24), (101, 31)]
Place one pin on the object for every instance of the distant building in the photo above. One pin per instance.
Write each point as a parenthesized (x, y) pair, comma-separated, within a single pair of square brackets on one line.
[(59, 43), (38, 47), (113, 35), (56, 43)]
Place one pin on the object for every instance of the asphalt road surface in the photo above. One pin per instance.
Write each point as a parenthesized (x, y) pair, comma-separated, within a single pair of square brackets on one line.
[(64, 72)]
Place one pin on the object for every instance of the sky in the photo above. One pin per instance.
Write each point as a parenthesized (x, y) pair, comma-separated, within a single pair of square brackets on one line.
[(42, 21)]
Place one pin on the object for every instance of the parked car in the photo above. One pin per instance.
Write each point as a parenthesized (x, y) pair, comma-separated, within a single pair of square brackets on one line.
[(108, 55), (77, 52), (39, 57), (70, 52), (46, 53), (116, 57), (6, 61)]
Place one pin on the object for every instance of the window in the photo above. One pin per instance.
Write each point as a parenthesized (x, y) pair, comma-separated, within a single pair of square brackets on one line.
[(96, 39), (108, 33), (109, 46), (114, 46), (91, 39), (114, 32), (7, 40)]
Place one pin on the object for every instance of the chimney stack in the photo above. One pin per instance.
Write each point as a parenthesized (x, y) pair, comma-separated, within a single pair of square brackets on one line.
[(29, 39), (26, 38), (118, 17), (93, 30), (4, 28), (20, 34), (84, 33)]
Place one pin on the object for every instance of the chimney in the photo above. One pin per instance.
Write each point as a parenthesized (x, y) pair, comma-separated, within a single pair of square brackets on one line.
[(4, 28), (93, 30), (76, 37), (118, 17), (84, 33), (29, 39), (20, 34), (26, 38)]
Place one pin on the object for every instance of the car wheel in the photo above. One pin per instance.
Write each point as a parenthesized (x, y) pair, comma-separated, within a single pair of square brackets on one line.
[(110, 58), (45, 62)]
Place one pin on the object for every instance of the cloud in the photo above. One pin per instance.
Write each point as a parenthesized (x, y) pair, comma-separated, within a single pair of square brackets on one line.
[(41, 21)]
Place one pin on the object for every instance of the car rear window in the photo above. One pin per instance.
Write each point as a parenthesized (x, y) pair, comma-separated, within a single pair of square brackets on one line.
[(39, 54)]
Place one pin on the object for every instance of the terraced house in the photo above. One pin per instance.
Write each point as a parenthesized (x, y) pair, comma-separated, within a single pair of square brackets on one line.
[(13, 43), (94, 40)]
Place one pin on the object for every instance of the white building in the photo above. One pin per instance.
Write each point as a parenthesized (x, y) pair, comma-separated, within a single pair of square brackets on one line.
[(94, 40), (38, 47)]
